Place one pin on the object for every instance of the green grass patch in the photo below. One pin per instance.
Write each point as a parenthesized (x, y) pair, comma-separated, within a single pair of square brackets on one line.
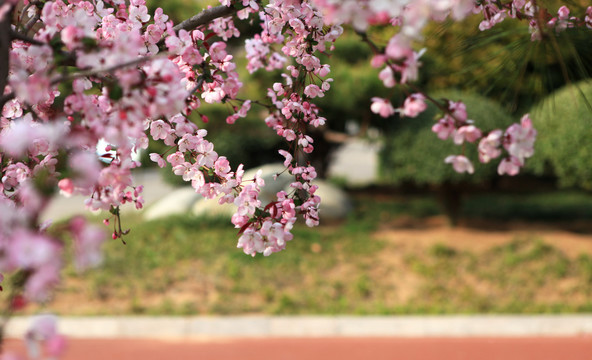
[(185, 265)]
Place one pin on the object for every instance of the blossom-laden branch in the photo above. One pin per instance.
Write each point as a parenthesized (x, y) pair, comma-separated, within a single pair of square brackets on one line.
[(126, 76)]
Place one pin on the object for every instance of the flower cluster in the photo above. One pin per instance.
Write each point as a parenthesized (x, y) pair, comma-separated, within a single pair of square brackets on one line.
[(297, 28), (517, 140), (539, 19)]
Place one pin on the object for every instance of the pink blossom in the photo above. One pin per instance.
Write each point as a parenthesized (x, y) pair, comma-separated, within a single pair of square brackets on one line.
[(444, 128), (176, 158), (72, 36), (414, 105), (383, 107), (251, 242), (15, 174), (159, 130), (460, 163), (563, 13), (387, 76), (12, 109), (29, 250), (88, 240), (489, 146), (213, 94), (24, 133), (313, 91), (469, 133), (378, 60), (519, 139), (324, 70), (32, 201), (275, 235), (288, 157), (458, 110), (231, 119), (510, 166), (206, 154), (398, 47), (246, 106), (157, 159), (66, 187), (188, 142), (222, 166)]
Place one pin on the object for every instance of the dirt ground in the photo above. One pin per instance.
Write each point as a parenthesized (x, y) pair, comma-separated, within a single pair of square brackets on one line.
[(571, 238)]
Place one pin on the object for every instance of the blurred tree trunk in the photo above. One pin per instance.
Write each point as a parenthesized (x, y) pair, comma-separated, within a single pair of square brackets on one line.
[(450, 198)]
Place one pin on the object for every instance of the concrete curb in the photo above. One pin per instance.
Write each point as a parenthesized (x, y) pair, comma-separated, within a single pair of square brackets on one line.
[(316, 326)]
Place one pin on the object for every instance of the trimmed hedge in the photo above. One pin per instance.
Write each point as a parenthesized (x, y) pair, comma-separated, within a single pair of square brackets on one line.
[(563, 147)]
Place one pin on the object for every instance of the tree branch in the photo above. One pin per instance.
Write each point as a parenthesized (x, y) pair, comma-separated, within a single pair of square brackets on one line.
[(18, 36), (4, 48), (204, 17), (5, 98)]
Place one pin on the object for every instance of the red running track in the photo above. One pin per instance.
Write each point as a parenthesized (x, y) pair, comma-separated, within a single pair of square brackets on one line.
[(572, 348)]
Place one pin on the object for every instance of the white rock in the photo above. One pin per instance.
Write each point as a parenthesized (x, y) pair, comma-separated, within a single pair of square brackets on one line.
[(210, 208), (359, 155), (178, 202)]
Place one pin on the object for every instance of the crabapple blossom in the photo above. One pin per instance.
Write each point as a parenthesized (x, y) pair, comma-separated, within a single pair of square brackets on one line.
[(383, 107), (468, 133), (510, 166), (460, 163), (489, 146), (414, 105), (519, 139), (444, 128), (87, 243)]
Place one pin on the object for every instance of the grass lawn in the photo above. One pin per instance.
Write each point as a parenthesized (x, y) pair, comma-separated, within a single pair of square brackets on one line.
[(392, 256)]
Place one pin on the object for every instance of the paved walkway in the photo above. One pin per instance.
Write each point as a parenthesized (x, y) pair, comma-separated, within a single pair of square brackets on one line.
[(577, 348), (203, 327)]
